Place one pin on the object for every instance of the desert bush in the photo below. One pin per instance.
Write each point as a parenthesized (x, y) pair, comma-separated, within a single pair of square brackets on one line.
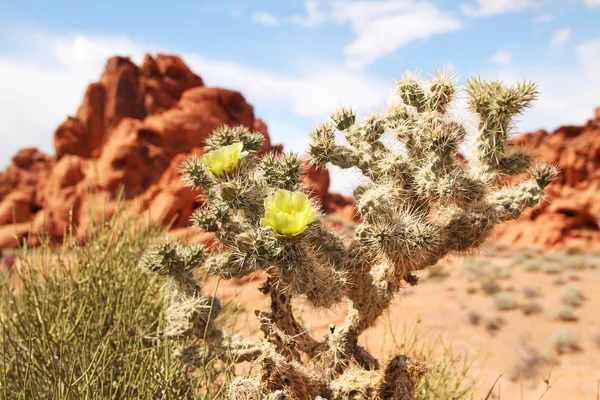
[(419, 202), (490, 287), (532, 265), (572, 296), (531, 292), (575, 261), (566, 313), (531, 307), (559, 280), (574, 250), (473, 318), (505, 301), (438, 271), (493, 324), (527, 253), (565, 340), (78, 322), (572, 276), (550, 268)]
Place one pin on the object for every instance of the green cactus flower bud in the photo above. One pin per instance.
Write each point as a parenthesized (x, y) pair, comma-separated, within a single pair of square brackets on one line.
[(229, 191), (224, 159), (246, 242), (288, 213)]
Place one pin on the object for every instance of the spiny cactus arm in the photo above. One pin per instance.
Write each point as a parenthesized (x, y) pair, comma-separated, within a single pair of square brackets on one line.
[(323, 148), (168, 256), (497, 105), (510, 202), (281, 171), (282, 343), (231, 349), (327, 245), (226, 135)]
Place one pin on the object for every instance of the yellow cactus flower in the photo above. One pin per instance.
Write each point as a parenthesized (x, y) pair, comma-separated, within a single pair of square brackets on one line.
[(224, 159), (288, 213)]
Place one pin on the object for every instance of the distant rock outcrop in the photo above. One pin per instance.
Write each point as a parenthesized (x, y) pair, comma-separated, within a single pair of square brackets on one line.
[(571, 216), (133, 129)]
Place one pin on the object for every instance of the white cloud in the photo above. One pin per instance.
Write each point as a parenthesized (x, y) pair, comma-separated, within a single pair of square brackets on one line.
[(561, 36), (314, 94), (384, 26), (380, 26), (264, 18), (502, 57), (314, 15), (487, 8), (542, 18), (591, 3)]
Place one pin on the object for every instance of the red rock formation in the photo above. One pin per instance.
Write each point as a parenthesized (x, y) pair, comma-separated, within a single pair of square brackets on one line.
[(129, 136), (571, 214)]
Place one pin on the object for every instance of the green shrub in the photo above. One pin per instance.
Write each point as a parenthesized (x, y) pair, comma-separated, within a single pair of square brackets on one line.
[(505, 301), (565, 340), (532, 307), (572, 296), (81, 322), (532, 265), (567, 314), (550, 267)]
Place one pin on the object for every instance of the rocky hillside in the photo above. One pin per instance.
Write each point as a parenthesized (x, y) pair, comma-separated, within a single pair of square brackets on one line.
[(133, 129), (571, 216)]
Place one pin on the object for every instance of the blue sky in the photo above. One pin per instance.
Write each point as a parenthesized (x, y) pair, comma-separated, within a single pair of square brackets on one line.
[(297, 60)]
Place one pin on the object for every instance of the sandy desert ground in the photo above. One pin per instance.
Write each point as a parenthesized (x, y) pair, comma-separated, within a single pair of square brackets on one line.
[(521, 316)]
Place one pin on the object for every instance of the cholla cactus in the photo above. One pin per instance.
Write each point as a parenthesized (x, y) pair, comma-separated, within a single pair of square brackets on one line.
[(416, 206)]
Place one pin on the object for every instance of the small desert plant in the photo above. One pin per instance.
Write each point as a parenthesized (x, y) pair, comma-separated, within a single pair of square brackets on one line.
[(531, 307), (77, 322), (505, 301), (493, 324), (559, 280), (474, 318), (572, 276), (576, 262), (531, 292), (438, 271), (566, 313), (574, 250), (550, 267), (490, 287), (572, 296), (565, 340), (532, 265), (419, 202)]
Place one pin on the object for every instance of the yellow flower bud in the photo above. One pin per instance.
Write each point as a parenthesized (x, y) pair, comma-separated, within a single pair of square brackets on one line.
[(288, 213), (224, 159)]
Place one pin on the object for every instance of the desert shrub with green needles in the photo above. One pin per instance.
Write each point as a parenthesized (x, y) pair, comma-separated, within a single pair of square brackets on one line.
[(419, 202), (81, 322)]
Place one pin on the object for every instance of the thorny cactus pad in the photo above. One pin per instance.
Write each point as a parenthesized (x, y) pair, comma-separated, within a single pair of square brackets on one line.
[(419, 202)]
